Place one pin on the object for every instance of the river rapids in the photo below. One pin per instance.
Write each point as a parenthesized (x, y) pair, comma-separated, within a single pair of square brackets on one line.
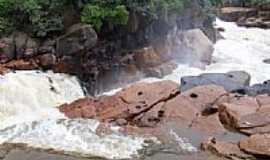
[(28, 99)]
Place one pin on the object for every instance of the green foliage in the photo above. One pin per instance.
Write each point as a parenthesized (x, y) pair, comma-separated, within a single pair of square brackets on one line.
[(43, 17), (116, 12), (5, 26), (38, 16), (96, 13)]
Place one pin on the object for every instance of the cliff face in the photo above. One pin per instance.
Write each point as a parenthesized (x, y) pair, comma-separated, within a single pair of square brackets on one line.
[(112, 56)]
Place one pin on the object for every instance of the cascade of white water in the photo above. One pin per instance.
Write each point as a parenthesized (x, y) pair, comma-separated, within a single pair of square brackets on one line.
[(28, 114)]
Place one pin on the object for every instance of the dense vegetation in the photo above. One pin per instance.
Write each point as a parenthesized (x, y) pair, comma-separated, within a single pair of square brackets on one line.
[(43, 17)]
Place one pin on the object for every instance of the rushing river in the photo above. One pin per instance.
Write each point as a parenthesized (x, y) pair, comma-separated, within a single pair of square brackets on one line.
[(28, 99)]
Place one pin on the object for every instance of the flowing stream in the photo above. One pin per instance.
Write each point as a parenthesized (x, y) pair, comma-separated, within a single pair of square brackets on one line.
[(28, 99)]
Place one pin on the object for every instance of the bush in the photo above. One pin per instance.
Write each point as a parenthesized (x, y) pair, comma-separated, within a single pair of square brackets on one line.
[(37, 16), (43, 17), (96, 13)]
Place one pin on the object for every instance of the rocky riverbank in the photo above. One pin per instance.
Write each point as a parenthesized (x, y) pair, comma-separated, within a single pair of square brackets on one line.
[(215, 109)]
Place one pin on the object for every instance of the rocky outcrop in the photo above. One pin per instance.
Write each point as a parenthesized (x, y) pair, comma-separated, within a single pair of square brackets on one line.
[(204, 113), (126, 104)]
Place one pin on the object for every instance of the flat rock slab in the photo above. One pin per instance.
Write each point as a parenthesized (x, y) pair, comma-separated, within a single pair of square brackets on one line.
[(257, 145), (231, 81), (204, 96)]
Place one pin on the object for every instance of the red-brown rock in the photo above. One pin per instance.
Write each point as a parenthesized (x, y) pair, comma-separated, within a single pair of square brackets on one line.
[(82, 108), (143, 96), (225, 149), (231, 113), (22, 64), (210, 124), (257, 145), (263, 100), (204, 96), (181, 109)]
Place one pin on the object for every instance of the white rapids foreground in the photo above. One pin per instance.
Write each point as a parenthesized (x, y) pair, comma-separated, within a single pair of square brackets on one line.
[(28, 115)]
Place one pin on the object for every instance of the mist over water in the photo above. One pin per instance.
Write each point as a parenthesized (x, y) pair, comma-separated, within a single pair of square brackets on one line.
[(28, 98)]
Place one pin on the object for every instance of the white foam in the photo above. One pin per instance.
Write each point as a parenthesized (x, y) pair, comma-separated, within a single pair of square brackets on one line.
[(28, 115), (241, 49), (73, 136), (30, 95)]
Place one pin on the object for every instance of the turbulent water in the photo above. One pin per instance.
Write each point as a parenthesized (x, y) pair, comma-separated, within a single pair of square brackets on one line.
[(241, 49), (28, 99), (28, 114)]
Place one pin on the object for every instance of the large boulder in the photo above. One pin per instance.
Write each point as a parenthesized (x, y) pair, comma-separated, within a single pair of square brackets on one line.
[(194, 47), (236, 81), (153, 63), (126, 104), (78, 38)]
